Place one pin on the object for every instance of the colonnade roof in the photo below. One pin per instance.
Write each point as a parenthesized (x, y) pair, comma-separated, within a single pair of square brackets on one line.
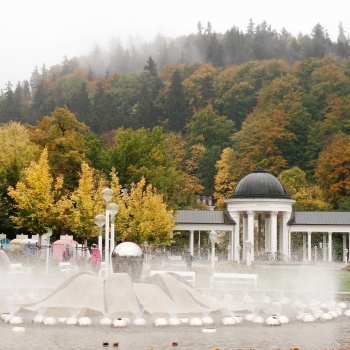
[(319, 218), (203, 217)]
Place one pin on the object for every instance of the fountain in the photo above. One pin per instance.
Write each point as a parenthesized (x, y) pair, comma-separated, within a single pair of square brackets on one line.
[(129, 303)]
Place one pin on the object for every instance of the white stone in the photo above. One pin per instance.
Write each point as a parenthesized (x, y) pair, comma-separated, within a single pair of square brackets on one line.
[(18, 329), (307, 317), (84, 321), (273, 321), (258, 319), (139, 321), (38, 318), (49, 321), (326, 316), (229, 321), (195, 321), (161, 321), (71, 321), (249, 317), (207, 320), (283, 319), (105, 321), (119, 322), (15, 320), (342, 305), (174, 321)]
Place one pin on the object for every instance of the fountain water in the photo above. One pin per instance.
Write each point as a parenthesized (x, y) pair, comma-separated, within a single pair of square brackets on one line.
[(167, 301)]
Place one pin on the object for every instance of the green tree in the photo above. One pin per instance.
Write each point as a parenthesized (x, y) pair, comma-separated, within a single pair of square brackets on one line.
[(208, 128), (62, 134), (128, 156)]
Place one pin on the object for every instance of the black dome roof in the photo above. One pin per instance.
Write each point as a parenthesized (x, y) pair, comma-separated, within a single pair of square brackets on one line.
[(260, 184)]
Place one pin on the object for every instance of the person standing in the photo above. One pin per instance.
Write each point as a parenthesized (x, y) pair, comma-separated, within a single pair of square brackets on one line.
[(95, 259)]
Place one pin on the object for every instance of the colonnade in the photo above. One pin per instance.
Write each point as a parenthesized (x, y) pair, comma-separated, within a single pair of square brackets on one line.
[(274, 222), (326, 247)]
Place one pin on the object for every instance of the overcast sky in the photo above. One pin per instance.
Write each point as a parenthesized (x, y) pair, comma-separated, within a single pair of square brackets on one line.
[(33, 32)]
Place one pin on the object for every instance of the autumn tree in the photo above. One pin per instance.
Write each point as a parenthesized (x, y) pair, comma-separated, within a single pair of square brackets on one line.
[(85, 203), (259, 142), (36, 197), (16, 153), (143, 216), (199, 87), (226, 177), (308, 196), (332, 171)]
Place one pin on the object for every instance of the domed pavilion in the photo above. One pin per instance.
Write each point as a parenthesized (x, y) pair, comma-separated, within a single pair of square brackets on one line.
[(260, 195), (260, 220)]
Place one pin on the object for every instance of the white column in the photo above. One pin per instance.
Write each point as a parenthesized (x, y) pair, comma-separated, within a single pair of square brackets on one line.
[(330, 251), (274, 233), (245, 234), (235, 236), (304, 246), (199, 243), (285, 234), (345, 255), (191, 241), (231, 243), (107, 242), (309, 246), (251, 232), (324, 246), (267, 233)]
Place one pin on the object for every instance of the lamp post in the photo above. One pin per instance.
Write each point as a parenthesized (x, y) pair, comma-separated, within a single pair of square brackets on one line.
[(145, 245), (239, 248), (113, 210), (213, 236), (248, 247), (48, 235), (107, 195), (100, 221), (346, 256)]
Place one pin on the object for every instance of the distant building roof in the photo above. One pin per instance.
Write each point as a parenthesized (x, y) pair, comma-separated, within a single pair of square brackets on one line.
[(203, 217), (319, 218)]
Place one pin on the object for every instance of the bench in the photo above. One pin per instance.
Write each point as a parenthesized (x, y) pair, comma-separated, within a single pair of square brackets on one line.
[(18, 268), (233, 280), (67, 267), (189, 276)]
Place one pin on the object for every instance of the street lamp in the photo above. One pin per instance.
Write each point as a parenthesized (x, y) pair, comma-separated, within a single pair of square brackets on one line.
[(145, 245), (100, 221), (239, 248), (248, 247), (107, 195), (113, 210), (48, 235), (213, 236)]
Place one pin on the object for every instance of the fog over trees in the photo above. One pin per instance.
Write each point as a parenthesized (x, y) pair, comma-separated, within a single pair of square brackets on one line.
[(190, 116)]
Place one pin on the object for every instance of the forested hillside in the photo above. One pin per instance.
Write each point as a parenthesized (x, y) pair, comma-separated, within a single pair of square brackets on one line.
[(192, 119)]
